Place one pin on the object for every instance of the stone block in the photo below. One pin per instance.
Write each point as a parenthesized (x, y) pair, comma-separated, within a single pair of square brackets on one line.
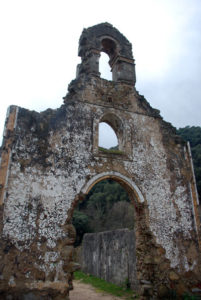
[(173, 276)]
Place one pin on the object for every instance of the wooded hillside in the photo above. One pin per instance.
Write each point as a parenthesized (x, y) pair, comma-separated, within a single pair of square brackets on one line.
[(106, 207), (193, 135)]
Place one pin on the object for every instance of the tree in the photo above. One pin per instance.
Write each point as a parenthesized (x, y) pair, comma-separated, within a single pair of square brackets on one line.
[(81, 223), (106, 207), (193, 135)]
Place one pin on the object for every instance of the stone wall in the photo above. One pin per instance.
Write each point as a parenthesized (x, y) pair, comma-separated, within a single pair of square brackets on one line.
[(110, 255), (49, 160)]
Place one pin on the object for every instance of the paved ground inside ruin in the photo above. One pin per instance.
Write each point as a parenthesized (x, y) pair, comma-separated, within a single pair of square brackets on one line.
[(84, 291)]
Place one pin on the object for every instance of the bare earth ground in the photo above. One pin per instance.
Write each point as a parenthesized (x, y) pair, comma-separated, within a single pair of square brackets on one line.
[(84, 291)]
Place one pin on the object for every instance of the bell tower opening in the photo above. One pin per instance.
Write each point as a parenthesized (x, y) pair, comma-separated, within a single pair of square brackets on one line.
[(104, 67), (109, 47), (109, 41), (108, 54)]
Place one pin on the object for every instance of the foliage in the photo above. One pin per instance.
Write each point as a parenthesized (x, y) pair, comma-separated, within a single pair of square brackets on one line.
[(121, 215), (122, 291), (106, 207), (81, 223), (193, 135), (112, 150), (189, 297), (102, 285)]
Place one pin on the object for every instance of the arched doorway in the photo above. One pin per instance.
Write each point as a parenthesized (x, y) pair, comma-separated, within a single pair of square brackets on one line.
[(125, 181), (111, 254)]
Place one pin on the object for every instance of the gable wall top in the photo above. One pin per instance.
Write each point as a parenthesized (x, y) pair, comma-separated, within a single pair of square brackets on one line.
[(91, 39)]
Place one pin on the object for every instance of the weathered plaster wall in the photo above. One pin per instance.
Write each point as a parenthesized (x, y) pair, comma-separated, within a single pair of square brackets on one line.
[(53, 157)]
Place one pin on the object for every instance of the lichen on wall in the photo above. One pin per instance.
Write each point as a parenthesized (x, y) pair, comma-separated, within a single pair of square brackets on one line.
[(50, 159)]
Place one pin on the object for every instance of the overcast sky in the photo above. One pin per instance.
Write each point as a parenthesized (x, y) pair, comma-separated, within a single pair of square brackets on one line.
[(39, 42)]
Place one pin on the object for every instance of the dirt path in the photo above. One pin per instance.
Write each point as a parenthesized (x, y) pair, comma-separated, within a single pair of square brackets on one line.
[(84, 291)]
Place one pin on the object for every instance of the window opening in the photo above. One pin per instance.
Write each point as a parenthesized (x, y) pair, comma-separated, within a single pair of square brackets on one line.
[(104, 67), (107, 138)]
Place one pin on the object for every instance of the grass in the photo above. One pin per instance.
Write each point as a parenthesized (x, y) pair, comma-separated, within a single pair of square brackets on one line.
[(120, 291), (102, 285), (112, 151), (188, 297)]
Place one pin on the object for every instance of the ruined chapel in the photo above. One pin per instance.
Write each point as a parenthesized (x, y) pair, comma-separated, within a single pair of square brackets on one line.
[(50, 160)]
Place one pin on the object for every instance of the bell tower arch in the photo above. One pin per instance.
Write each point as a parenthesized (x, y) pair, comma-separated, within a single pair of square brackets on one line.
[(104, 37)]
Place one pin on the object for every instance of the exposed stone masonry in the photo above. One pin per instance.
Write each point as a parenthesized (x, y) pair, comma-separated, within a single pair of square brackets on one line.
[(49, 160)]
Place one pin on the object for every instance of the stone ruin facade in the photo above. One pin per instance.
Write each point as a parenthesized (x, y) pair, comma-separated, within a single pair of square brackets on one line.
[(50, 160)]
